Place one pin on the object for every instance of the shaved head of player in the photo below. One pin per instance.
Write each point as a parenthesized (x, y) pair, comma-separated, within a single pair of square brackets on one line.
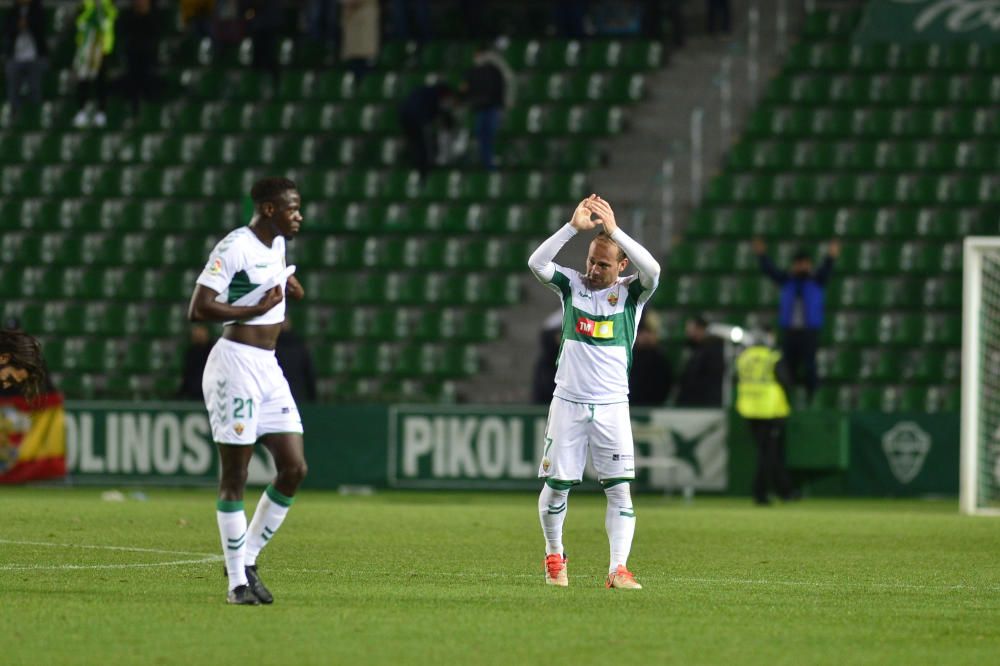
[(243, 286), (589, 409)]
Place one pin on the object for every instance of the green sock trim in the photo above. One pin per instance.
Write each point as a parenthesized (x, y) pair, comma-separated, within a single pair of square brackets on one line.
[(557, 484), (277, 497), (609, 483), (229, 506), (557, 509)]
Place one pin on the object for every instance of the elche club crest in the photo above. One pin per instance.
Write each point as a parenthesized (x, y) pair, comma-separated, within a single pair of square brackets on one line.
[(906, 446), (613, 298)]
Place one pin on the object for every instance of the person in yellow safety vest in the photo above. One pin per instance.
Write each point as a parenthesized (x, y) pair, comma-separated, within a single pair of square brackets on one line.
[(762, 400), (95, 40)]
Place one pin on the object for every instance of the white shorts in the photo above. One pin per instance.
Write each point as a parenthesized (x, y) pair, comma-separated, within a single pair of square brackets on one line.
[(572, 426), (246, 394)]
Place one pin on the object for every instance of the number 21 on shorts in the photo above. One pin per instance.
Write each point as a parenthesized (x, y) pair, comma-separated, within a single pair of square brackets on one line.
[(239, 404)]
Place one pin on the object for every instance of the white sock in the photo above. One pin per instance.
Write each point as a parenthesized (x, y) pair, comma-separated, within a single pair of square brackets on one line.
[(552, 511), (620, 523), (233, 530), (271, 511)]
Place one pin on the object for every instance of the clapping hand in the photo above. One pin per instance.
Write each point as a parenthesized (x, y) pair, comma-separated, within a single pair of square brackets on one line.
[(605, 215), (582, 215)]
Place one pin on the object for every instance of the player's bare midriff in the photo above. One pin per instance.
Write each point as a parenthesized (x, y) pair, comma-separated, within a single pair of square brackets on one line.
[(264, 337)]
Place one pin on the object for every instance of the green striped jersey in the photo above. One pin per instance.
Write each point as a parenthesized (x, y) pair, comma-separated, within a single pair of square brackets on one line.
[(598, 331), (239, 264)]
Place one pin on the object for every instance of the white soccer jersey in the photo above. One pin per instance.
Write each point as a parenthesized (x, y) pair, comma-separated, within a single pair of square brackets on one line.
[(239, 264), (598, 331)]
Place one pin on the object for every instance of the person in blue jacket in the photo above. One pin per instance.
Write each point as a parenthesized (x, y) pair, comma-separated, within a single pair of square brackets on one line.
[(800, 309)]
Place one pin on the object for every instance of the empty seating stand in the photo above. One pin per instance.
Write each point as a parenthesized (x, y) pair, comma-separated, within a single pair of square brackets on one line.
[(892, 149), (405, 277)]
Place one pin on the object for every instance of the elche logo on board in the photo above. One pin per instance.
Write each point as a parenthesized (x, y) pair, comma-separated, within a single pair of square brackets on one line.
[(906, 446), (957, 15)]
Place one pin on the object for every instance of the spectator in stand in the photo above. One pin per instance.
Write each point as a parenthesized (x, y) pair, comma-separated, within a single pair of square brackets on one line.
[(140, 35), (411, 20), (228, 25), (476, 18), (488, 88), (652, 377), (195, 358), (323, 22), (543, 378), (264, 23), (26, 51), (296, 363), (359, 20), (95, 41), (420, 114), (801, 309), (196, 16), (700, 381), (719, 17), (678, 27), (570, 18)]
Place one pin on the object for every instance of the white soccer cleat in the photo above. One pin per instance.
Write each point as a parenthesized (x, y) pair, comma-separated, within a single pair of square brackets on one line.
[(555, 570), (622, 579), (81, 119), (100, 120)]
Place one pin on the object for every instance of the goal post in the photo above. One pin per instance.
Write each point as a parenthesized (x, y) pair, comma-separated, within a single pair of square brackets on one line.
[(979, 484)]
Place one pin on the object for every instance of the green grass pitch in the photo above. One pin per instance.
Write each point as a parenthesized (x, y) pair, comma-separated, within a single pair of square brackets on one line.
[(420, 578)]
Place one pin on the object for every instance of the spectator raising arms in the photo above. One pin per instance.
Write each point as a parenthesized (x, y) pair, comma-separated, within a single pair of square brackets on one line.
[(800, 311), (26, 52)]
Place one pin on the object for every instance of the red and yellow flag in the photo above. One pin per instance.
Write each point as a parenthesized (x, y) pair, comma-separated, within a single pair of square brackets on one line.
[(32, 438)]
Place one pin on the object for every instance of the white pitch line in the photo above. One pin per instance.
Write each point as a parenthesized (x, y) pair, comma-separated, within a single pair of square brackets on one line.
[(52, 544), (833, 585), (202, 557)]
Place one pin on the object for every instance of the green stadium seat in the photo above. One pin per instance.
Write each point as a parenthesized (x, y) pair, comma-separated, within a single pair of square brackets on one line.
[(120, 283), (921, 367), (342, 252), (839, 364), (853, 293), (81, 354), (952, 366), (941, 329), (951, 257), (927, 89), (20, 248), (159, 319), (738, 293), (899, 329), (942, 293), (31, 315), (103, 318), (852, 328), (899, 293), (59, 248), (874, 398), (879, 365)]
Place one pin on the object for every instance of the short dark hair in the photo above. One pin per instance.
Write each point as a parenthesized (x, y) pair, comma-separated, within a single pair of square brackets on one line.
[(605, 237), (270, 189), (25, 354), (801, 255), (699, 321)]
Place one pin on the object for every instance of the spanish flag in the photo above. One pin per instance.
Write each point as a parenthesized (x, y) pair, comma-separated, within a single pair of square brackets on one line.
[(32, 438)]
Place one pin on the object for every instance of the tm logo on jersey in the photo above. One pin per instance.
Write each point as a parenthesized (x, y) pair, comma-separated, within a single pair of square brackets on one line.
[(595, 329)]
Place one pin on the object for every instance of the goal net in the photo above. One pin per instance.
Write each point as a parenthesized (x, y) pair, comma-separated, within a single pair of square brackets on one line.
[(980, 466)]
